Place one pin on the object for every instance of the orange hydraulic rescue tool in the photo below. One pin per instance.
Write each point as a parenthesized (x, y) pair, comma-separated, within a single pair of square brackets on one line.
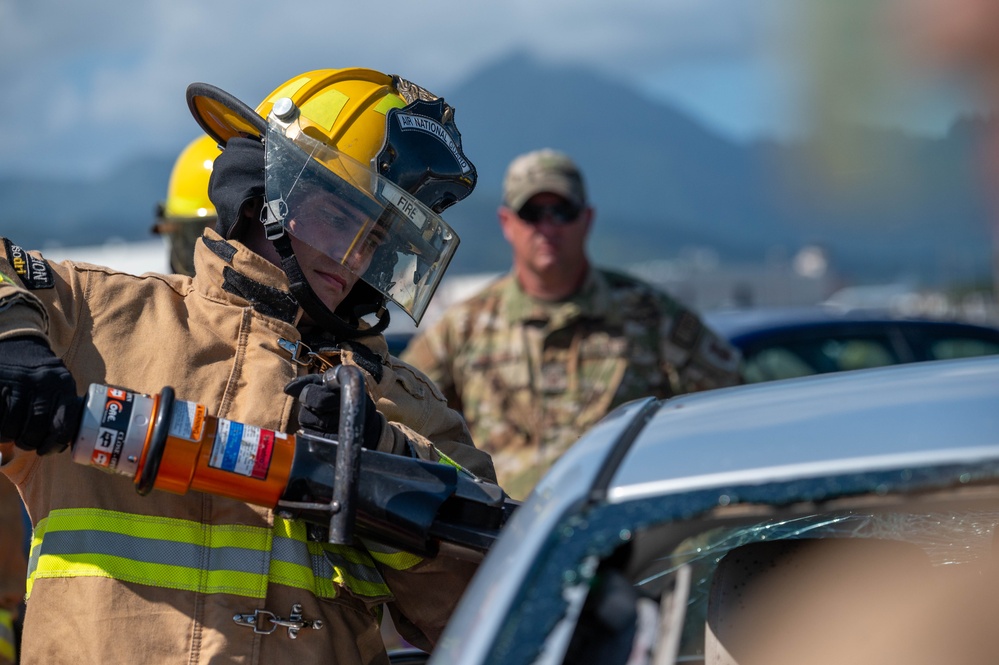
[(168, 444)]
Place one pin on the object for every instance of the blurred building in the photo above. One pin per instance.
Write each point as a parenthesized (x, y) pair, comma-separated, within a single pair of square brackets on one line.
[(703, 282)]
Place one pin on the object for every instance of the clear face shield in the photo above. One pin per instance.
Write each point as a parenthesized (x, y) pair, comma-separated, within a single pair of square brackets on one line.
[(363, 221)]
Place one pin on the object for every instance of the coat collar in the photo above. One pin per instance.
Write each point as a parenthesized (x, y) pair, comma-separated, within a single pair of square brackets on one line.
[(225, 270)]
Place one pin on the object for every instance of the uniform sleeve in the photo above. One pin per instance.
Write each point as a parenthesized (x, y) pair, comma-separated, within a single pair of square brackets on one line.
[(432, 353), (13, 565), (425, 592), (421, 423), (21, 312), (429, 360), (417, 419), (700, 358), (37, 298)]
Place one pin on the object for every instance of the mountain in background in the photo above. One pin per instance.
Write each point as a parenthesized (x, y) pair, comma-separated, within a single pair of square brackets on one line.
[(662, 183), (40, 213)]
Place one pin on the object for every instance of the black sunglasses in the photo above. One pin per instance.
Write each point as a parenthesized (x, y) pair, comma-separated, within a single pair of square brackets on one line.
[(560, 213)]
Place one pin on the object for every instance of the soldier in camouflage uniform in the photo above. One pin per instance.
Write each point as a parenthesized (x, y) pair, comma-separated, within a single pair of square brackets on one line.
[(544, 352)]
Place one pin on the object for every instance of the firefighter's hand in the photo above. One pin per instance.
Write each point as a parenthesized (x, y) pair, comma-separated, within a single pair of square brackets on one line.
[(320, 407), (39, 409)]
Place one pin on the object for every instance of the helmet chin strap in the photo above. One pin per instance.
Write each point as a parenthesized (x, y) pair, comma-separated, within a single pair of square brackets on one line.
[(314, 307)]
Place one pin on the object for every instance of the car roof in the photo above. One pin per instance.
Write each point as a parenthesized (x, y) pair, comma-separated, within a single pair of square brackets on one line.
[(893, 417), (828, 424)]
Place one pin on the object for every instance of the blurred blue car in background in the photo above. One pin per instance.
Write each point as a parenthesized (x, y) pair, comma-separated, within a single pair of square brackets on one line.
[(785, 343)]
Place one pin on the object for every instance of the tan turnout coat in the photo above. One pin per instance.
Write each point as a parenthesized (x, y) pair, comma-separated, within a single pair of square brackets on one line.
[(214, 339)]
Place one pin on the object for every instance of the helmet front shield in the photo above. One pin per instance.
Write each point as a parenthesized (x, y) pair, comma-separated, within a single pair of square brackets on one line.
[(361, 220)]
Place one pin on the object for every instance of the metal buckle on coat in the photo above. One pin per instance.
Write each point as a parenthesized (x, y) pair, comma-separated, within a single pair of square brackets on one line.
[(264, 622), (302, 355)]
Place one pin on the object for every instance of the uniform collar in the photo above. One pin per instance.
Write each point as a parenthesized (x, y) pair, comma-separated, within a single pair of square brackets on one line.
[(591, 300), (226, 270)]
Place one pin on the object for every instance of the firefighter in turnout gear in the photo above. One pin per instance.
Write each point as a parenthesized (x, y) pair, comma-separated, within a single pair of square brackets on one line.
[(329, 198)]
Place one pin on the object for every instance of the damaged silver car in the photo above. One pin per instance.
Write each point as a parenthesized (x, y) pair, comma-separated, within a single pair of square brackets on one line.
[(844, 518)]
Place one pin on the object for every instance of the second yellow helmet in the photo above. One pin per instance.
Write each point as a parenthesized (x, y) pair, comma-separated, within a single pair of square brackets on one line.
[(185, 213), (187, 190)]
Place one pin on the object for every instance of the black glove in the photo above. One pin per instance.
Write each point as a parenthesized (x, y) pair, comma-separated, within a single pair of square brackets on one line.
[(320, 407), (39, 409)]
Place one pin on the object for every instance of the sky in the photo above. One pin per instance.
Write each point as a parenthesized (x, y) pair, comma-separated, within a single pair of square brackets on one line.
[(87, 84)]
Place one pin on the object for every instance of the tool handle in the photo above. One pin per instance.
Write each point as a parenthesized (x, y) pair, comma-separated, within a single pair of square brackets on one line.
[(348, 455)]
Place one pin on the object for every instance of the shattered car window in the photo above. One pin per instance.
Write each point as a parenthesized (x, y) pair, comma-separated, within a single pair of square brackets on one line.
[(751, 586)]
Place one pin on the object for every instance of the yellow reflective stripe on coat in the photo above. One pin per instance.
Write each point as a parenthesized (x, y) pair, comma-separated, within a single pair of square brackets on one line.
[(8, 652), (347, 567), (192, 556), (444, 459), (391, 557)]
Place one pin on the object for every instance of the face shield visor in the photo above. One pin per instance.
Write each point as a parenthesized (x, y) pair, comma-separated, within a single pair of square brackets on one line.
[(361, 220)]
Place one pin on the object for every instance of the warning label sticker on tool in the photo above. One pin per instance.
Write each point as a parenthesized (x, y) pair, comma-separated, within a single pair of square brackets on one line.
[(242, 449), (187, 421), (113, 428)]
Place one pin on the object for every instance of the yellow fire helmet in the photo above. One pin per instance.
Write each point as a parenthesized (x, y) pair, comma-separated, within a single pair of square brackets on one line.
[(359, 165), (187, 191), (344, 108), (187, 210)]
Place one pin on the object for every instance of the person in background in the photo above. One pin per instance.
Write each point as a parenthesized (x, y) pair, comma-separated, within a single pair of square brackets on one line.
[(541, 354), (353, 168), (187, 210)]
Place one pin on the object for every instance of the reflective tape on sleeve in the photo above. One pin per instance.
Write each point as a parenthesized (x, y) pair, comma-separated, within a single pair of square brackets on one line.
[(330, 564), (391, 557)]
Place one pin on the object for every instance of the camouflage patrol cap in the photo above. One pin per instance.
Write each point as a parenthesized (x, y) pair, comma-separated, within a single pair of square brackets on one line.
[(540, 171)]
